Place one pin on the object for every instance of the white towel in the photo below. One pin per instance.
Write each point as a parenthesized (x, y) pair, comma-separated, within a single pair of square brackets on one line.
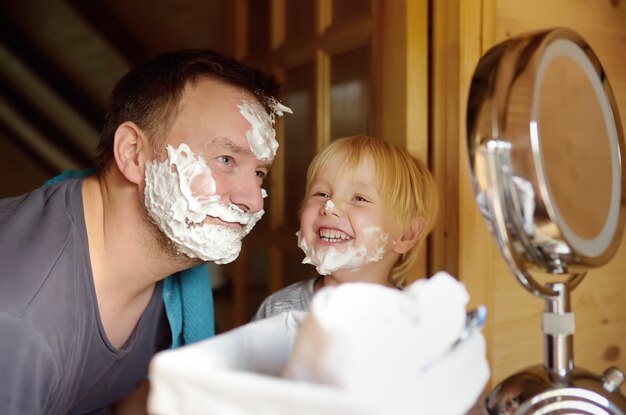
[(363, 349), (392, 349)]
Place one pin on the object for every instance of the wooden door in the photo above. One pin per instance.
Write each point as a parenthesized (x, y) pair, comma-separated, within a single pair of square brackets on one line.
[(344, 65)]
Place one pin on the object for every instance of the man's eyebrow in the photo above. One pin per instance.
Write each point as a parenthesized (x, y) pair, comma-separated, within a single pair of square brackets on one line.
[(237, 149), (231, 145), (267, 166)]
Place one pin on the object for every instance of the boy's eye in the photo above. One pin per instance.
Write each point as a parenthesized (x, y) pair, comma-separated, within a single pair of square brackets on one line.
[(322, 194), (358, 198)]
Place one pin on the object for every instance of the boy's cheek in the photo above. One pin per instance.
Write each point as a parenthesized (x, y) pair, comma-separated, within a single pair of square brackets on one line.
[(375, 241)]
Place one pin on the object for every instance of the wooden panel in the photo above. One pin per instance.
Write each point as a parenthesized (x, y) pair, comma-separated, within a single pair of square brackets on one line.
[(299, 18), (350, 86), (300, 43), (299, 149), (344, 10), (258, 23), (445, 110), (400, 93), (476, 249)]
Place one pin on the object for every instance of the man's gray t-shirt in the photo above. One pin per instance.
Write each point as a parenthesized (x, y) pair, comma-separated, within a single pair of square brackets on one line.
[(54, 355)]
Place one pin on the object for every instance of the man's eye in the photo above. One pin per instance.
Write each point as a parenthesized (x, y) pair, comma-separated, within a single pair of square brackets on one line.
[(226, 160), (260, 174)]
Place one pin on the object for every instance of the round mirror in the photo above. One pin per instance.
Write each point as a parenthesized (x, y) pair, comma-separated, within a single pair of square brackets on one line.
[(546, 148)]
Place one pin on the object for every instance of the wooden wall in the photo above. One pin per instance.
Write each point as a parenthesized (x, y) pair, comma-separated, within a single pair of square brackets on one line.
[(463, 31)]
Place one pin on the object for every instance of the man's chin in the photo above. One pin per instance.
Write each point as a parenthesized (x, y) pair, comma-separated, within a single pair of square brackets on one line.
[(190, 262)]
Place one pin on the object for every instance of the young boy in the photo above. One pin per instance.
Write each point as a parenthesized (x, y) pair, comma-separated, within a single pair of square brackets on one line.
[(368, 205)]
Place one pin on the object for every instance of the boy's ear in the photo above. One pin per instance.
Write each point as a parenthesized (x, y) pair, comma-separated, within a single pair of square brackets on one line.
[(129, 144), (410, 236)]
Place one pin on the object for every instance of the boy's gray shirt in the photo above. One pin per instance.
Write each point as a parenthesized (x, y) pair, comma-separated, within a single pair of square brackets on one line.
[(297, 296), (54, 354)]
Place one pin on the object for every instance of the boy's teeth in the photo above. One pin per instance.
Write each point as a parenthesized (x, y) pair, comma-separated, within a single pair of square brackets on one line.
[(334, 235)]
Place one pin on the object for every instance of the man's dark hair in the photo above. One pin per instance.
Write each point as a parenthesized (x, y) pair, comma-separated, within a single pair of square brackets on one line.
[(148, 94)]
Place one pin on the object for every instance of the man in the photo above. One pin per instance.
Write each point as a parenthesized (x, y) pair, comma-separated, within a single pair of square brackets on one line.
[(186, 143)]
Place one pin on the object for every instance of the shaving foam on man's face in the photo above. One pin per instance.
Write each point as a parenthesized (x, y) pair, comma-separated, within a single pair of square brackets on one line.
[(180, 195), (186, 194), (346, 255), (262, 136)]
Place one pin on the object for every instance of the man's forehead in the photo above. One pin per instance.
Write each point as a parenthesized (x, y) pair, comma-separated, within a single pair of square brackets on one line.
[(238, 93), (236, 146)]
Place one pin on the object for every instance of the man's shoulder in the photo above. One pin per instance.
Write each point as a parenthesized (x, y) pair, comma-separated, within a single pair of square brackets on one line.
[(45, 208), (35, 229), (9, 205)]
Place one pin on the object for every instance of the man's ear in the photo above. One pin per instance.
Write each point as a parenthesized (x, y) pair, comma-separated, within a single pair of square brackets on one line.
[(129, 146), (410, 236)]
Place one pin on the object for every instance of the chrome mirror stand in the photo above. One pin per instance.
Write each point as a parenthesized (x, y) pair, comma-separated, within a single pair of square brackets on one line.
[(557, 386)]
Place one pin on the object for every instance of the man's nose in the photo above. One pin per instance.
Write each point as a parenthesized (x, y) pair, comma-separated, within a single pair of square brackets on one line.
[(246, 194)]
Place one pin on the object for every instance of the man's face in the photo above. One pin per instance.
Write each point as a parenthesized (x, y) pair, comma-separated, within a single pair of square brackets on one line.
[(203, 190)]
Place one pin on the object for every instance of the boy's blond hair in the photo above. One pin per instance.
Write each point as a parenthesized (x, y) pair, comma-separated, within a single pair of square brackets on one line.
[(405, 183)]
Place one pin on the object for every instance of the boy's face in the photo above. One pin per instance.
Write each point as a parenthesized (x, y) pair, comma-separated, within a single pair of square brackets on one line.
[(346, 223)]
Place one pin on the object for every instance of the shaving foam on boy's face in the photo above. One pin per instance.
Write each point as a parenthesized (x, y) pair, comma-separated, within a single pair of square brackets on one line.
[(347, 255)]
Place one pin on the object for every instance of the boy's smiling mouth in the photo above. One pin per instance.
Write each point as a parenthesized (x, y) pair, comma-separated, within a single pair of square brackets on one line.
[(333, 235)]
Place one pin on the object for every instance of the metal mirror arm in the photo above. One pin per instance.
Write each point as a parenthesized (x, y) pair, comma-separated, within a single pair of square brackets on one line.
[(558, 327), (557, 320)]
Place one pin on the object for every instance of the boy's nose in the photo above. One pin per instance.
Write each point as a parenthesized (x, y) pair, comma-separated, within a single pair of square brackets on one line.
[(329, 208)]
